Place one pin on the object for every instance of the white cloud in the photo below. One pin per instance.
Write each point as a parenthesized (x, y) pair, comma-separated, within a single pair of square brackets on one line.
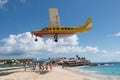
[(104, 51), (108, 56), (2, 3), (24, 44), (117, 34), (91, 49)]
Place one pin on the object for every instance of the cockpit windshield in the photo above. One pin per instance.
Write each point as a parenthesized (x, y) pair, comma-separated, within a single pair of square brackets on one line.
[(45, 28)]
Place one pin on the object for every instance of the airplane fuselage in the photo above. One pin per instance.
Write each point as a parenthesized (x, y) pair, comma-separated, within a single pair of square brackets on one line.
[(49, 32)]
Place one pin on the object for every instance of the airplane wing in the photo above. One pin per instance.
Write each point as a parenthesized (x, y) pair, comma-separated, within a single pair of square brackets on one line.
[(54, 18)]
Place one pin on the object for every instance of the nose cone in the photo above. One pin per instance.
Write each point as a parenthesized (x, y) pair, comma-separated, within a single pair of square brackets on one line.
[(32, 32), (36, 33)]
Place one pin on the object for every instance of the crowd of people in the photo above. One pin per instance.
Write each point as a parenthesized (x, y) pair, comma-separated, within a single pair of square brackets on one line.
[(42, 66)]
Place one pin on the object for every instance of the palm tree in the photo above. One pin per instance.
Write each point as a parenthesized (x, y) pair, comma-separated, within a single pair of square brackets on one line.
[(78, 58)]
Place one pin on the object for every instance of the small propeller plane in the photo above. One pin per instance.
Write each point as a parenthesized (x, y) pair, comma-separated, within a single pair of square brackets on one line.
[(55, 30)]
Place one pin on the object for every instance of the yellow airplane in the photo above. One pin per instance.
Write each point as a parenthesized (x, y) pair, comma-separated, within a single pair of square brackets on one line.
[(54, 30)]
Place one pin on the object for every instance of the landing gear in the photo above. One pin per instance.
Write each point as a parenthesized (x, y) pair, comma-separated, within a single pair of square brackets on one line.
[(36, 39), (56, 38)]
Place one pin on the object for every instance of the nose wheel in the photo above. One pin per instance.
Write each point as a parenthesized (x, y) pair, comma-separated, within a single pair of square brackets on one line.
[(56, 38), (36, 39)]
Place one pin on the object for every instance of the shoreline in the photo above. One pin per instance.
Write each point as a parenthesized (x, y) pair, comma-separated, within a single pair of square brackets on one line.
[(91, 74), (57, 73)]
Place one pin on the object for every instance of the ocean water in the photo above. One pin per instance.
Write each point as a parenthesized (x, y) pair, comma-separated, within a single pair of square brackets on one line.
[(112, 70), (109, 69)]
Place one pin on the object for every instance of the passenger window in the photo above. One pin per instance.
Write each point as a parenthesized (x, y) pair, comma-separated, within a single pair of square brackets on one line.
[(57, 28), (46, 29), (71, 28)]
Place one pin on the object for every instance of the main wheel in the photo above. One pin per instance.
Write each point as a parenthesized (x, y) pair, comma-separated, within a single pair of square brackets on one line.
[(55, 37), (56, 40)]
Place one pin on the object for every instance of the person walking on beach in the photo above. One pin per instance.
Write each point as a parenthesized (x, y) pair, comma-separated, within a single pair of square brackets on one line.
[(50, 66), (46, 66), (34, 66), (63, 64), (40, 66), (24, 65)]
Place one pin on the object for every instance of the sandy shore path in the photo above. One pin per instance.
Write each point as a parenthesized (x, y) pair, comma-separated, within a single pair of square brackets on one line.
[(56, 74), (61, 74)]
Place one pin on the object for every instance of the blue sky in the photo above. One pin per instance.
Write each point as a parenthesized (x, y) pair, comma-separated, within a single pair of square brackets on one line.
[(19, 17)]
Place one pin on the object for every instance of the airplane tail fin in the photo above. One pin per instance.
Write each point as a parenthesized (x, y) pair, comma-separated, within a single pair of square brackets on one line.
[(88, 23)]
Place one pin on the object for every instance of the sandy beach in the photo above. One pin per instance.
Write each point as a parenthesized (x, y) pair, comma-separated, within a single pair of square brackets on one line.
[(56, 74)]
